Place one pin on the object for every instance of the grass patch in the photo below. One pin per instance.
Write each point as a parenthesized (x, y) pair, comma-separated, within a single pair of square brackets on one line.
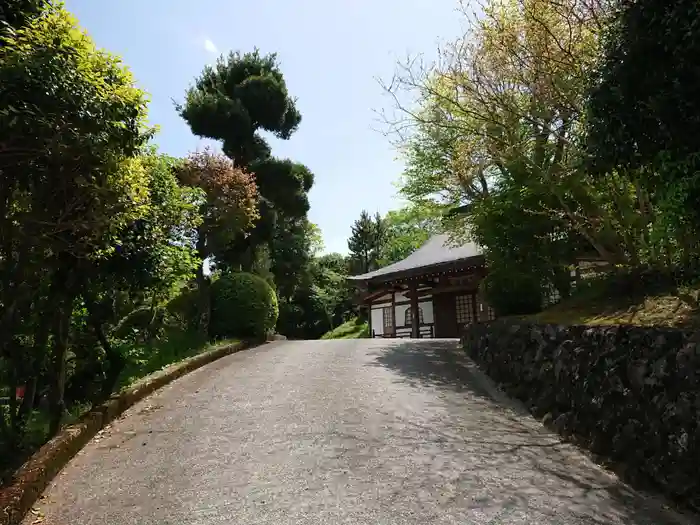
[(142, 360), (352, 329), (632, 300)]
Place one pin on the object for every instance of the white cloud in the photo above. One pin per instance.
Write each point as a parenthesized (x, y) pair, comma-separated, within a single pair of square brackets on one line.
[(210, 46)]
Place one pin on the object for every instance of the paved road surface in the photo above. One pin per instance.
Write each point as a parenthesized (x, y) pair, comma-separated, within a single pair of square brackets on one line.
[(337, 432)]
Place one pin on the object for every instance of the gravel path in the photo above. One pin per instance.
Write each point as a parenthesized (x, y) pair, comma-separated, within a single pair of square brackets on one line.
[(337, 432)]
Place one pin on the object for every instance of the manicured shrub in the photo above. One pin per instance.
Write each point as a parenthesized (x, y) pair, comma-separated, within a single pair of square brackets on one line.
[(242, 305)]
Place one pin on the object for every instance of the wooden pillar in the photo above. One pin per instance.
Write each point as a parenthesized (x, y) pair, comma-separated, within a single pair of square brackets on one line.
[(415, 315), (369, 319), (393, 314)]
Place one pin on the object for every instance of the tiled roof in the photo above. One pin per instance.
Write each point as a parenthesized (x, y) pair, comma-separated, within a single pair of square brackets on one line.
[(434, 252)]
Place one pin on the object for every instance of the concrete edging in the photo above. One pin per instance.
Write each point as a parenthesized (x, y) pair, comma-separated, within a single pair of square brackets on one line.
[(34, 476)]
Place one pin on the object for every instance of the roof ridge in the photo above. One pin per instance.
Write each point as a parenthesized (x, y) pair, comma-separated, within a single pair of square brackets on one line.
[(433, 252)]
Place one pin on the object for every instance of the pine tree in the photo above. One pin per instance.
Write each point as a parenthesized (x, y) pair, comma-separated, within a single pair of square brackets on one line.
[(366, 242)]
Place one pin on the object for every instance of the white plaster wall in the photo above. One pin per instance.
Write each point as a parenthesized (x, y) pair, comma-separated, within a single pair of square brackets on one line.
[(427, 307), (401, 314), (377, 321)]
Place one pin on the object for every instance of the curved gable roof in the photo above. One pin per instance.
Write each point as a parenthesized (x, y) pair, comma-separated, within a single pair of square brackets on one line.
[(434, 252)]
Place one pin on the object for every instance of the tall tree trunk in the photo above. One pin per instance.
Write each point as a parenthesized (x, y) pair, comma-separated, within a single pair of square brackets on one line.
[(646, 212), (115, 363), (58, 364), (66, 297), (41, 339), (203, 287), (14, 430), (114, 358)]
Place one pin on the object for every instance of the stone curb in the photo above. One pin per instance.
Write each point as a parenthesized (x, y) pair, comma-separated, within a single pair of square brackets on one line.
[(34, 476)]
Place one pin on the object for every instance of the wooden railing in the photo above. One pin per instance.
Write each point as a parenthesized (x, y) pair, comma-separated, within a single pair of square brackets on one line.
[(425, 331)]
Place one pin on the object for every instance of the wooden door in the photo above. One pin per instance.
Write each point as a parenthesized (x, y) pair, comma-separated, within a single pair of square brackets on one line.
[(453, 311), (388, 321), (444, 315), (465, 310)]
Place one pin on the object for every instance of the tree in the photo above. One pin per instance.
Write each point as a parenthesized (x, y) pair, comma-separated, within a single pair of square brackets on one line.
[(634, 116), (366, 241), (233, 101), (154, 255), (330, 273), (407, 229), (15, 14), (228, 210), (291, 255), (284, 187), (508, 97), (316, 244), (241, 95), (333, 262), (647, 124), (73, 125), (499, 132), (322, 302)]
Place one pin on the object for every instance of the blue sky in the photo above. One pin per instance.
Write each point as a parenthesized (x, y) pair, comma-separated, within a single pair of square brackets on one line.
[(331, 54)]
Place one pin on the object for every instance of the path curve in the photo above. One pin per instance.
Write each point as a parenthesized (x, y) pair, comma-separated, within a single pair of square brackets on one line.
[(337, 432)]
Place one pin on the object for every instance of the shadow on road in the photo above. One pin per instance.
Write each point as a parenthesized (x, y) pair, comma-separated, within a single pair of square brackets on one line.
[(509, 450), (432, 363)]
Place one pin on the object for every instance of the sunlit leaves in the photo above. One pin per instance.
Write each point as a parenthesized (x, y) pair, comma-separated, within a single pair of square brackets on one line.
[(90, 220), (231, 201), (79, 120), (407, 229)]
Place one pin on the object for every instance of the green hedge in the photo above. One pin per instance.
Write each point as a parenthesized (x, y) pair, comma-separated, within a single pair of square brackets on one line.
[(242, 305)]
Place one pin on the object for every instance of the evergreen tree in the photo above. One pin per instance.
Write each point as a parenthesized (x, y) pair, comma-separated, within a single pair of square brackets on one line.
[(234, 101), (366, 242)]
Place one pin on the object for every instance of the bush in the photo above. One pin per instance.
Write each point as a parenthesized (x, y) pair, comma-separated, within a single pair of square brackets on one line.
[(242, 305), (511, 292), (183, 308)]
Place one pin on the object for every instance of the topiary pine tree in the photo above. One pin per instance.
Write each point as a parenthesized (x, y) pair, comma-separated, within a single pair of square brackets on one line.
[(241, 95), (233, 101)]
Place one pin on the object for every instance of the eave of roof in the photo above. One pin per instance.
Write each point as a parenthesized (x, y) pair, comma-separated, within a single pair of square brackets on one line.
[(436, 253)]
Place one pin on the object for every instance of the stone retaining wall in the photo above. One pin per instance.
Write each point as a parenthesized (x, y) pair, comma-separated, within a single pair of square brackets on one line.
[(629, 394)]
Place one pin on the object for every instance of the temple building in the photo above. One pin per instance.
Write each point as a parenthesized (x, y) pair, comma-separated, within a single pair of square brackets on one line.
[(432, 293)]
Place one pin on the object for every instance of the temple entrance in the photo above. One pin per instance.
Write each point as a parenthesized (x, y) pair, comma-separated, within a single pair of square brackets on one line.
[(437, 284), (454, 311)]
